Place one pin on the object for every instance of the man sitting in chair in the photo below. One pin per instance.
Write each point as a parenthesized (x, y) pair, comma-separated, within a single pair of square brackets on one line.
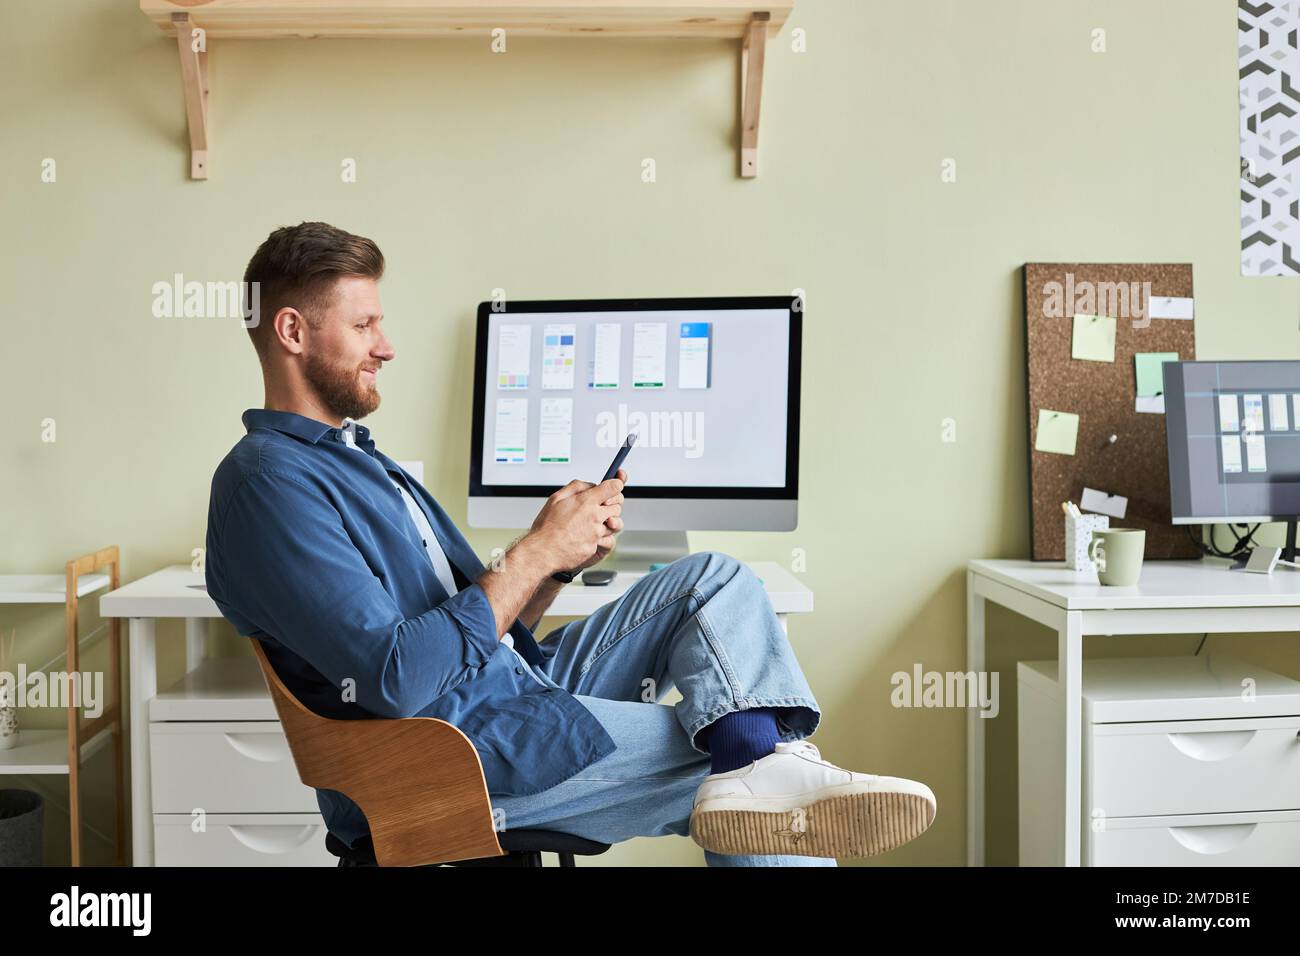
[(370, 603)]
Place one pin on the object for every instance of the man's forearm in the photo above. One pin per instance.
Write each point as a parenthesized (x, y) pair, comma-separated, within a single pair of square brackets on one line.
[(512, 584), (540, 601)]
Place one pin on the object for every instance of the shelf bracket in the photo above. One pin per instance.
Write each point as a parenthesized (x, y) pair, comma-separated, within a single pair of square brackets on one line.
[(752, 49), (194, 81)]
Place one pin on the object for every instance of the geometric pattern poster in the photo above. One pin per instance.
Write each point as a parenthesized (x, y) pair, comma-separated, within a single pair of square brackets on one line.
[(1268, 77)]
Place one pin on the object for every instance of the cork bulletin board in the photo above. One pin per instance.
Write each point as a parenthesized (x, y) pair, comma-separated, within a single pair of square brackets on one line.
[(1104, 396)]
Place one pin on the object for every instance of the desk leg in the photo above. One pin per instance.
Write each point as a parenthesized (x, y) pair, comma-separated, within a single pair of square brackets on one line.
[(144, 685), (196, 632), (974, 729), (1069, 674)]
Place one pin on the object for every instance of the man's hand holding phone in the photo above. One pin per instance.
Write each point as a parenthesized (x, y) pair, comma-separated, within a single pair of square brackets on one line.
[(577, 525), (574, 530)]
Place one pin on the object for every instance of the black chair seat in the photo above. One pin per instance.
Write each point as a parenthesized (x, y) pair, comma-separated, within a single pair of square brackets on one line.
[(523, 848)]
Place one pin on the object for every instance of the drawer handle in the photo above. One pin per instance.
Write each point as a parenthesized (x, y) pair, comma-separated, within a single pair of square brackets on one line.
[(273, 840), (264, 748), (1214, 839), (1212, 745)]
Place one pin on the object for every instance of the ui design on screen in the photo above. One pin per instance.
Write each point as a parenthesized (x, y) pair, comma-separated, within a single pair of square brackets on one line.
[(705, 390), (1234, 439)]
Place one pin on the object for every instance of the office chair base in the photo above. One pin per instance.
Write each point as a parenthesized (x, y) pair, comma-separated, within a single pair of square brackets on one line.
[(522, 848)]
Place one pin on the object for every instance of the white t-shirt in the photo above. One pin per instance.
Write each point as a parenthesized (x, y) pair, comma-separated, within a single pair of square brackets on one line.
[(432, 547)]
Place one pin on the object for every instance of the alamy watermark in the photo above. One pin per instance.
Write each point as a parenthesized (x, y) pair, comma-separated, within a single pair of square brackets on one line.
[(921, 688), (657, 429), (1122, 300), (57, 689), (182, 299)]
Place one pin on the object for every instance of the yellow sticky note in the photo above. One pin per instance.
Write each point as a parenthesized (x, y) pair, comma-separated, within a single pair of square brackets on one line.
[(1057, 431), (1094, 338)]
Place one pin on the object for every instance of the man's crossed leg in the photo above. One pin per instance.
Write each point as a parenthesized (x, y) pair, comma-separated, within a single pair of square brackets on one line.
[(705, 626)]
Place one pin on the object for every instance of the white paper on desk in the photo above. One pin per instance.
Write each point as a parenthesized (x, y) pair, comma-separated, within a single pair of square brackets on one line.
[(1169, 307), (1093, 500), (414, 468), (1150, 404)]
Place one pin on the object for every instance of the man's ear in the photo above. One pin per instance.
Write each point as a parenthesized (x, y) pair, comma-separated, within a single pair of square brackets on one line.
[(288, 326)]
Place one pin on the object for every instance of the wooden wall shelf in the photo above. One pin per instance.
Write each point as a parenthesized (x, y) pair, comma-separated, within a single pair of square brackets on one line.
[(196, 23)]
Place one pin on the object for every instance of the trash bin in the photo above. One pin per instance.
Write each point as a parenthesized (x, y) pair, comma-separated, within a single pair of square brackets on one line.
[(22, 816)]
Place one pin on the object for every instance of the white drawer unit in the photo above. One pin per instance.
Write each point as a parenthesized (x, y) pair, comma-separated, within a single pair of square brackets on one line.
[(1187, 761), (225, 767), (241, 839), (1199, 839), (224, 787)]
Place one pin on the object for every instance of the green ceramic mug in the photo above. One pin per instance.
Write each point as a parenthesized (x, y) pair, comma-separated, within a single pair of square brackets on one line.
[(1117, 552)]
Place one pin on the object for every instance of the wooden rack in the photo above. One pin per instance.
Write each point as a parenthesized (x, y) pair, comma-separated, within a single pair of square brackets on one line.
[(196, 23), (63, 751)]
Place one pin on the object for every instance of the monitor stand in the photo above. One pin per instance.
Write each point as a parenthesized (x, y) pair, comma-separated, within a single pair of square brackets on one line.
[(637, 550), (1288, 552)]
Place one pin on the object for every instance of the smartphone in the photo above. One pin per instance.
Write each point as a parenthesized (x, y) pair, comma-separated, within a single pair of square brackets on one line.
[(617, 463)]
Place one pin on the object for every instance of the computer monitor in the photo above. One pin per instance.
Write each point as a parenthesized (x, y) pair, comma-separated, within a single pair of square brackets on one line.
[(710, 386), (1234, 442)]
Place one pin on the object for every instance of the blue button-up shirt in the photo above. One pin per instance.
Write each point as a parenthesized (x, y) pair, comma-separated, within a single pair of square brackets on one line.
[(311, 550)]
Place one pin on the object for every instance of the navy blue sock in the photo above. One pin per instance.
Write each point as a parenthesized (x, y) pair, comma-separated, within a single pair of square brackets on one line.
[(737, 739)]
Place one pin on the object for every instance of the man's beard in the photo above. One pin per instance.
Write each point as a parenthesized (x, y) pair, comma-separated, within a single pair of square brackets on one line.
[(341, 388)]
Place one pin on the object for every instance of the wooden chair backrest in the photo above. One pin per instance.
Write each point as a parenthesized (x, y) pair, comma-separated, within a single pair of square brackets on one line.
[(418, 779)]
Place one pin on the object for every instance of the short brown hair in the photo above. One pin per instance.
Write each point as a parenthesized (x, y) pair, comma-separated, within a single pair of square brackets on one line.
[(297, 266)]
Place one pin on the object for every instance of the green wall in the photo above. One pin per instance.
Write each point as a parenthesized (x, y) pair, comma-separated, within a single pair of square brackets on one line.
[(522, 171)]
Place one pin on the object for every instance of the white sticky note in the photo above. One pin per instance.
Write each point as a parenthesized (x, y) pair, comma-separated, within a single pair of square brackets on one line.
[(1169, 307), (1295, 409), (1228, 418), (1093, 500), (1278, 421), (1150, 404), (1231, 446), (1255, 460)]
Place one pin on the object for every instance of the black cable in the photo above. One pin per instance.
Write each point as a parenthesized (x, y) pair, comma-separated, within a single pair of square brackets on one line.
[(1200, 645), (1243, 543)]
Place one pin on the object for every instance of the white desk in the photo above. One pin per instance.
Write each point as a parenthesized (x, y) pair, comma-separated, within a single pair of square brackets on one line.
[(177, 592), (1172, 597)]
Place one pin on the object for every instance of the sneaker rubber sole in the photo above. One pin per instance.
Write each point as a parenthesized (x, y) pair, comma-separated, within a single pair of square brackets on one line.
[(852, 824)]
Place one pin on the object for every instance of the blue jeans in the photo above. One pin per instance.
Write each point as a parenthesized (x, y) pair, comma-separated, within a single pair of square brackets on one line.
[(703, 625)]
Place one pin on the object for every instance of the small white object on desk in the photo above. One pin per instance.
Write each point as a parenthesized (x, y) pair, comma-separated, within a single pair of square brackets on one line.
[(1078, 535), (1264, 559)]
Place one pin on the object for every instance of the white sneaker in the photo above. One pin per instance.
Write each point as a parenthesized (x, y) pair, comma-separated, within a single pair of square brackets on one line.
[(794, 802)]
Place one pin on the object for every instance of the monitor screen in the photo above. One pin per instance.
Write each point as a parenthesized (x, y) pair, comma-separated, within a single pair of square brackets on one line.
[(710, 387), (1234, 440)]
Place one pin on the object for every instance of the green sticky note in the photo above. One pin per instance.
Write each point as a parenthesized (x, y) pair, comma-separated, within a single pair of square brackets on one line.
[(1057, 432), (1150, 379), (1094, 338)]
